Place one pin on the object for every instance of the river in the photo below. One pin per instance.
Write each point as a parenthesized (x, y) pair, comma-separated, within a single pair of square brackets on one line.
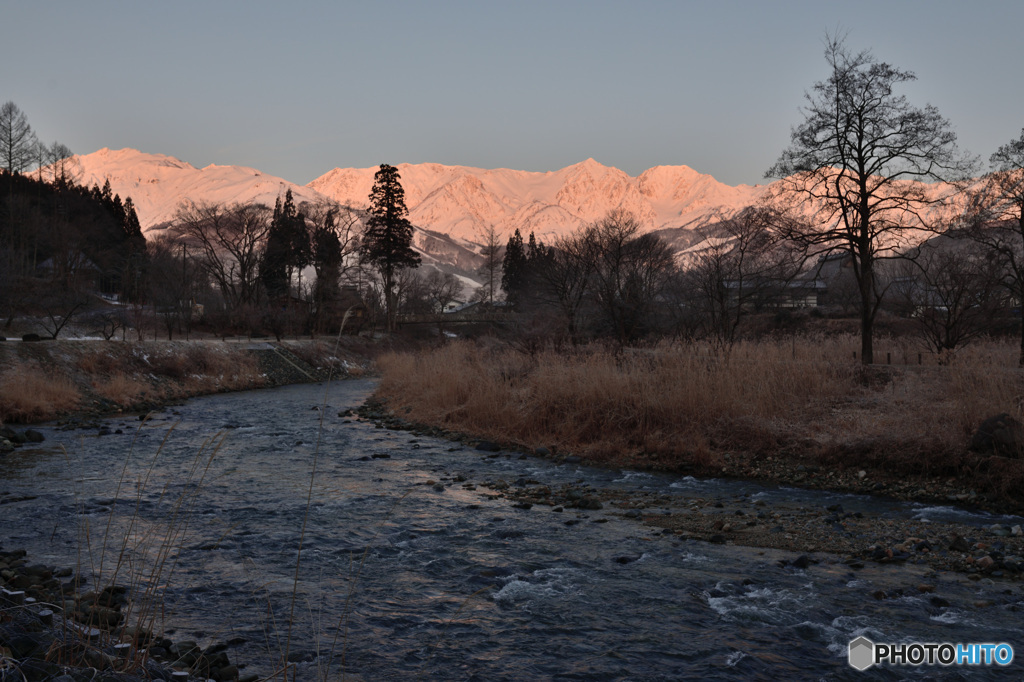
[(407, 571)]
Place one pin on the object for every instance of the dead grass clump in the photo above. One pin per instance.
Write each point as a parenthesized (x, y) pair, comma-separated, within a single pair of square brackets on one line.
[(314, 353), (213, 369), (98, 362), (170, 364), (122, 389), (28, 394)]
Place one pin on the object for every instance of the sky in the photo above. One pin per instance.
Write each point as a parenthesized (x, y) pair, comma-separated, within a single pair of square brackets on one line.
[(296, 89)]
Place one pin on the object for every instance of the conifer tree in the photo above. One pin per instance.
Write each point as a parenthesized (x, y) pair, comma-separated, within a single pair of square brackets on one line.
[(514, 265), (274, 260), (387, 240)]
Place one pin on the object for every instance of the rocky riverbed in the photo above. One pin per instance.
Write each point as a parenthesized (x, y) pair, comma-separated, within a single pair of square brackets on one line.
[(994, 550)]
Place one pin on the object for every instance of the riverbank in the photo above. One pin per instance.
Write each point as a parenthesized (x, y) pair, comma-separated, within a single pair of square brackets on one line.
[(79, 380), (798, 412), (830, 533), (54, 626)]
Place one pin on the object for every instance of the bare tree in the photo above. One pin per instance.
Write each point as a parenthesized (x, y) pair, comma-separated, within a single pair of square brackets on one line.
[(630, 271), (18, 144), (59, 305), (995, 218), (173, 279), (228, 240), (742, 267), (63, 165), (861, 157), (442, 289), (948, 290), (562, 277)]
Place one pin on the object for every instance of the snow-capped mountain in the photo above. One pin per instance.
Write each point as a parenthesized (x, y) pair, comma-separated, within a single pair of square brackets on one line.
[(157, 184), (463, 202), (450, 206)]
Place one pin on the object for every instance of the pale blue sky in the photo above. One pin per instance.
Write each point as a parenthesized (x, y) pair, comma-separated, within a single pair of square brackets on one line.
[(296, 89)]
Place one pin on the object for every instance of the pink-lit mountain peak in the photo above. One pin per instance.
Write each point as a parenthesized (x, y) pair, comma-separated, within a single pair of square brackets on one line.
[(460, 201)]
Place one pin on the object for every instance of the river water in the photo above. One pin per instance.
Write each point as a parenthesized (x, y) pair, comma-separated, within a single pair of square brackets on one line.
[(406, 573)]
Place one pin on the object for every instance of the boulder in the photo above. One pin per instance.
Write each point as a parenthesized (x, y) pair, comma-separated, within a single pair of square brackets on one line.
[(999, 435), (30, 337)]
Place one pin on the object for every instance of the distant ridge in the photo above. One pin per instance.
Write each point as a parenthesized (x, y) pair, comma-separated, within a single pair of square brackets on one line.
[(458, 201), (462, 201)]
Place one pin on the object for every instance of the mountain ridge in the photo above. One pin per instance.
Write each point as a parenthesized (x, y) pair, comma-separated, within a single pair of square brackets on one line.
[(459, 201)]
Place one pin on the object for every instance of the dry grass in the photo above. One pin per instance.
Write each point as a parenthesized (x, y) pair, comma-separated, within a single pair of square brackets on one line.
[(201, 368), (122, 389), (679, 405), (213, 368), (29, 394)]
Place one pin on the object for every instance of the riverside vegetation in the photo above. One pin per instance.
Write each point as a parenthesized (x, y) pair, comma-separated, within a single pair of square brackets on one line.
[(53, 379), (799, 410)]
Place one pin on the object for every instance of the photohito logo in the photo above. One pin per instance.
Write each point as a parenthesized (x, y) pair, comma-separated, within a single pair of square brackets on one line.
[(864, 653)]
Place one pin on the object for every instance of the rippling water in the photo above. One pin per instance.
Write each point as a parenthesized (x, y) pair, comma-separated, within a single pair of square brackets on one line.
[(402, 578)]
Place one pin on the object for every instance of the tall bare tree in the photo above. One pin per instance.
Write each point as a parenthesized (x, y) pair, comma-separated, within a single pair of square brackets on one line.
[(18, 145), (742, 267), (855, 157), (629, 273), (490, 269), (229, 240)]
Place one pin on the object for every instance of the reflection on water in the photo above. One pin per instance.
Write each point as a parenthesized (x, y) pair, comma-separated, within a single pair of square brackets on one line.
[(405, 572)]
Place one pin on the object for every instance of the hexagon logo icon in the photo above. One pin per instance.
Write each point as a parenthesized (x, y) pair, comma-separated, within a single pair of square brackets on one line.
[(862, 653)]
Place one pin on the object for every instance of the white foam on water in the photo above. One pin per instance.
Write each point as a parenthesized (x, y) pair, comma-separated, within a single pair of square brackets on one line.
[(520, 590), (760, 605), (546, 583), (735, 657), (632, 476), (685, 482), (951, 617)]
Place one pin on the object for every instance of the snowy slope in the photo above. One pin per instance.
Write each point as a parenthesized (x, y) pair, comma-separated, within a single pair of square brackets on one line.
[(157, 184), (450, 206), (463, 202)]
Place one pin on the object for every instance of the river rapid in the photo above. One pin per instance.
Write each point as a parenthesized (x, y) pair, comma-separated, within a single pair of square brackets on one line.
[(411, 567)]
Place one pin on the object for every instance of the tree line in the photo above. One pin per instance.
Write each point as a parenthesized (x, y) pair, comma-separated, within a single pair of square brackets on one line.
[(64, 246), (858, 190), (860, 185)]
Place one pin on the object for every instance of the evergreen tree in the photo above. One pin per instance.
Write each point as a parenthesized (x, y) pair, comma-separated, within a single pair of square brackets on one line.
[(387, 240), (513, 267), (326, 257), (132, 227), (274, 260)]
